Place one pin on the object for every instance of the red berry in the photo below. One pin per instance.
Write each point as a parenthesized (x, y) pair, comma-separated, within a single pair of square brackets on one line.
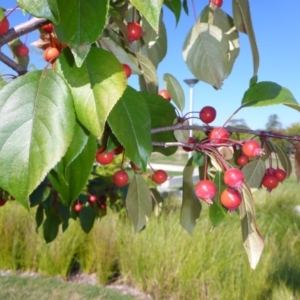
[(165, 94), (218, 135), (48, 28), (206, 190), (127, 70), (191, 140), (134, 167), (207, 114), (93, 198), (78, 207), (270, 182), (234, 178), (252, 149), (159, 176), (22, 50), (120, 178), (231, 199), (2, 201), (218, 3), (118, 150), (103, 206), (270, 171), (4, 26), (104, 158), (50, 54), (134, 31), (242, 160), (280, 175)]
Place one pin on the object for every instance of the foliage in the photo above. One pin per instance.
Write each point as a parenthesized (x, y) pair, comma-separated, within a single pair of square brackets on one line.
[(55, 121)]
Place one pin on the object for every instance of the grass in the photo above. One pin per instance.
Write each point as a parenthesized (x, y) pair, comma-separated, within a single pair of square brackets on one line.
[(28, 288)]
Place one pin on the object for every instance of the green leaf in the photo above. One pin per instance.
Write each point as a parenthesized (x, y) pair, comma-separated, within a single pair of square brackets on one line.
[(252, 239), (205, 52), (36, 128), (243, 23), (119, 53), (96, 86), (284, 159), (41, 9), (64, 213), (51, 226), (3, 83), (40, 194), (191, 206), (269, 93), (138, 202), (181, 135), (71, 174), (130, 123), (254, 172), (148, 81), (198, 159), (185, 6), (162, 114), (39, 216), (217, 212), (175, 7), (175, 90), (155, 47), (81, 24), (150, 9), (87, 218)]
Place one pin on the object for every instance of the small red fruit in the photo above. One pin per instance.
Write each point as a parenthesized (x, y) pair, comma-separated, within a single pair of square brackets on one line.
[(104, 158), (231, 199), (206, 190), (4, 26), (270, 171), (218, 3), (50, 54), (118, 150), (78, 207), (218, 135), (127, 70), (120, 178), (134, 31), (191, 140), (165, 94), (207, 114), (242, 160), (159, 176), (234, 178), (280, 175), (22, 50), (93, 198), (48, 28), (252, 149), (270, 182), (2, 201), (103, 206), (134, 167)]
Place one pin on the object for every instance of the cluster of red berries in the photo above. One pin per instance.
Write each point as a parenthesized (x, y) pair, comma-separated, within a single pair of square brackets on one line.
[(120, 177), (93, 199)]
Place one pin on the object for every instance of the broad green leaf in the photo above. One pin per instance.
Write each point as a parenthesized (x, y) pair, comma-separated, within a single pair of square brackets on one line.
[(20, 60), (39, 216), (36, 128), (138, 202), (252, 239), (185, 6), (162, 114), (217, 212), (51, 226), (64, 213), (70, 176), (130, 123), (40, 194), (254, 172), (81, 24), (148, 81), (181, 135), (3, 83), (175, 7), (87, 217), (175, 90), (150, 9), (120, 54), (96, 86), (155, 47), (205, 52), (198, 159), (243, 23), (41, 9), (191, 206), (284, 159)]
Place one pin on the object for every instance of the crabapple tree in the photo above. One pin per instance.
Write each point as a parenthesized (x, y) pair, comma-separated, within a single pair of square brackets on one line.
[(62, 127)]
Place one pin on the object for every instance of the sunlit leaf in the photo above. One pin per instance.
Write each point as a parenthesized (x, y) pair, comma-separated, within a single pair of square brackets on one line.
[(254, 172)]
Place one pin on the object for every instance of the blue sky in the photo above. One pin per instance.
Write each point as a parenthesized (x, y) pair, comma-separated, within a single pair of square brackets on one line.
[(277, 28)]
